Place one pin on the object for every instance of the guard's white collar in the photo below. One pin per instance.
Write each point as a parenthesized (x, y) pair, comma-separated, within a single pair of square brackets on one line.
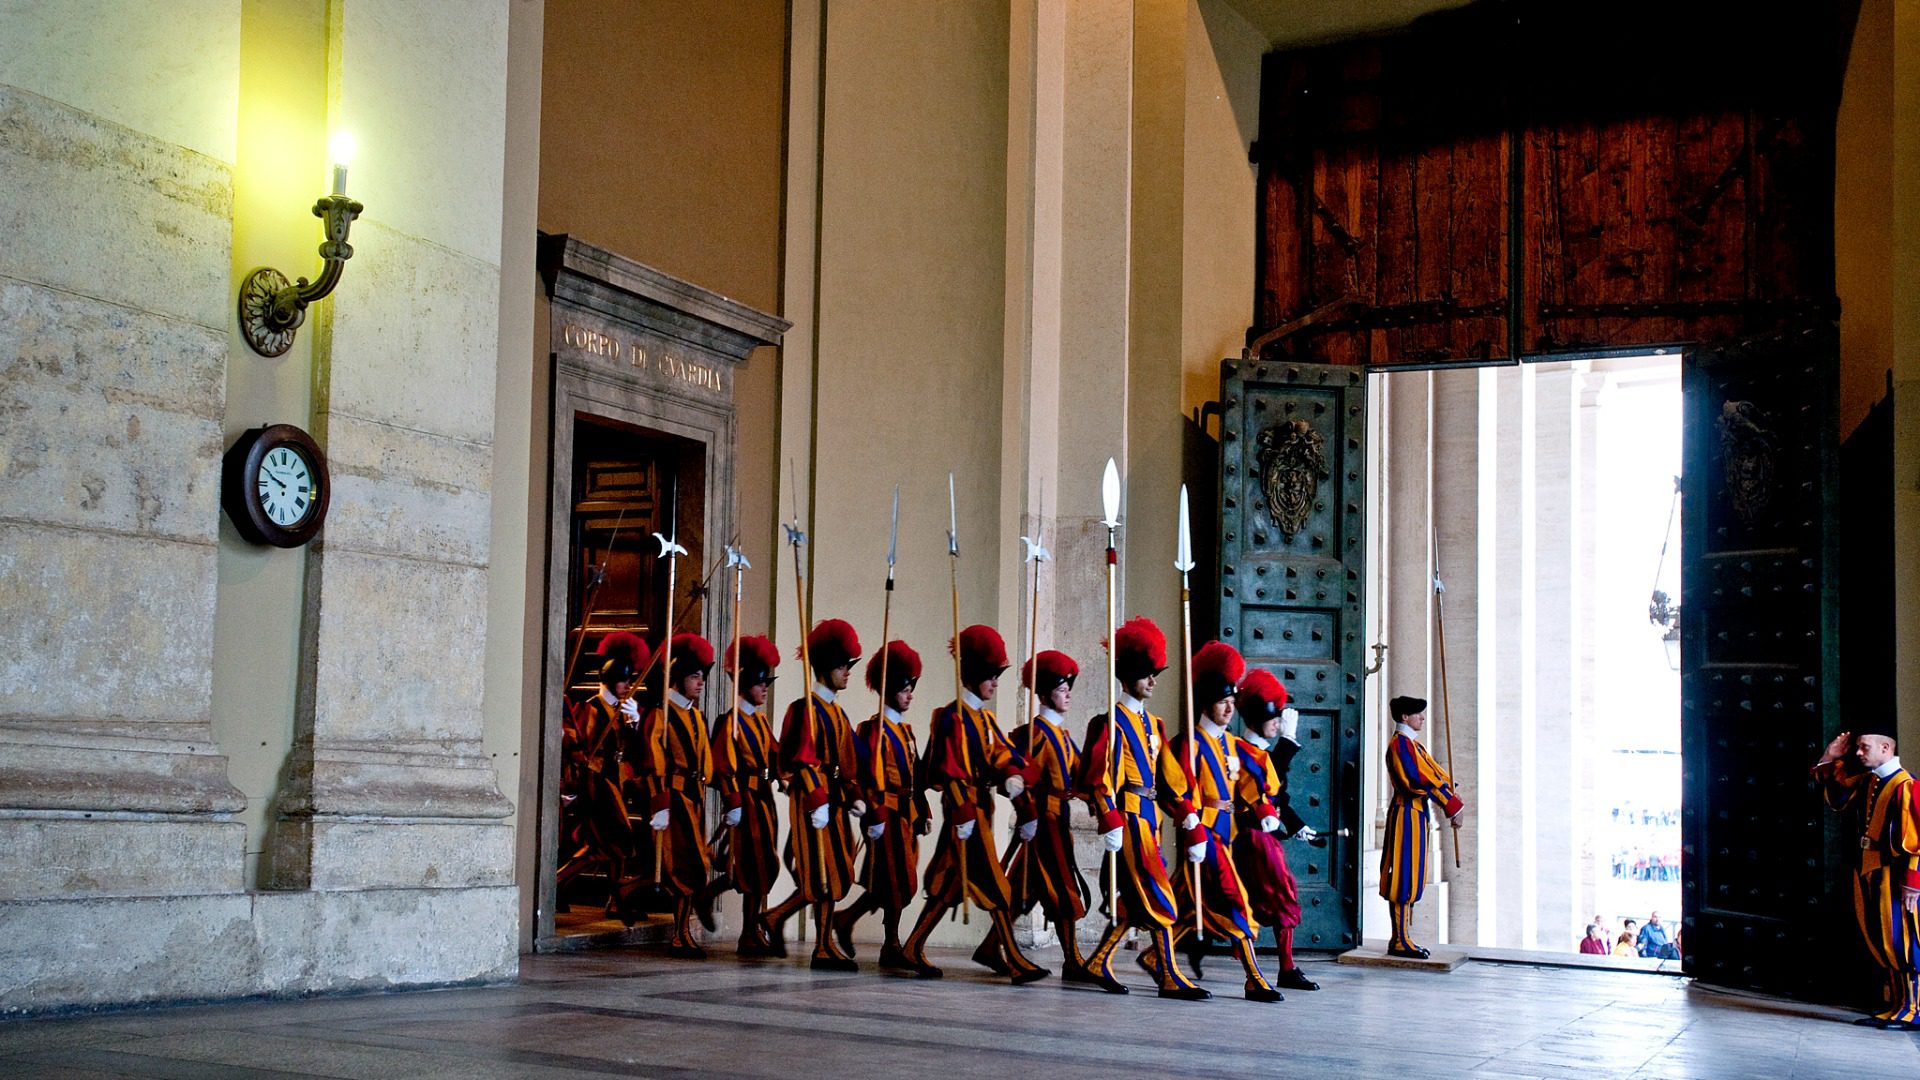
[(823, 693), (1212, 729), (1133, 704), (893, 714), (1254, 738), (1048, 714), (1888, 767), (973, 701), (683, 702), (606, 695), (748, 707), (1402, 729)]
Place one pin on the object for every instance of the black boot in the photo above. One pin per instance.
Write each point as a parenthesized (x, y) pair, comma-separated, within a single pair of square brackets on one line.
[(1412, 952), (988, 956), (1257, 992), (1185, 993), (1295, 979)]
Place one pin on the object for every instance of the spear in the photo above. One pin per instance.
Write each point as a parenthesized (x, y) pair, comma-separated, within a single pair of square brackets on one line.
[(959, 707), (1110, 502), (1183, 562), (1035, 554), (886, 622), (737, 561), (1446, 704), (796, 538), (669, 549)]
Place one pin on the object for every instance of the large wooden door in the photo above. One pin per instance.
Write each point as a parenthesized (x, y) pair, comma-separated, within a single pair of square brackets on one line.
[(1759, 665), (1292, 567)]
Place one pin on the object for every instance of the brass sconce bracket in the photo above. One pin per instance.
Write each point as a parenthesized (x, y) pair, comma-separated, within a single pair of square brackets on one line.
[(271, 310)]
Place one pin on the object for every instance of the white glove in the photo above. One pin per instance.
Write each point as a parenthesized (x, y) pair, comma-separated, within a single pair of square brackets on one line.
[(876, 830), (1191, 821), (1197, 852), (1112, 839), (659, 820), (1306, 834), (1269, 823), (1027, 829), (859, 808), (630, 711), (1289, 723), (818, 819), (965, 831), (1015, 786), (732, 817)]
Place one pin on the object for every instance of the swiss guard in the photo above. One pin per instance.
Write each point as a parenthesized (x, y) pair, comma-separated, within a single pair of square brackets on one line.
[(595, 760), (1417, 780), (675, 771), (897, 814), (967, 755), (1264, 815), (745, 760), (1861, 776), (819, 764), (1117, 778)]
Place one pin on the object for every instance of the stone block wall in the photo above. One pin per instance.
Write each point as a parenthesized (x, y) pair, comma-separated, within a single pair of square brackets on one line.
[(122, 862)]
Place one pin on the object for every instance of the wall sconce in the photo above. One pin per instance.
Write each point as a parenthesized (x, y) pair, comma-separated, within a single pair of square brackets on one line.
[(270, 308)]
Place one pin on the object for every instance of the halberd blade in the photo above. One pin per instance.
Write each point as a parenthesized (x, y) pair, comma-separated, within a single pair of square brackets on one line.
[(1110, 495), (1183, 558)]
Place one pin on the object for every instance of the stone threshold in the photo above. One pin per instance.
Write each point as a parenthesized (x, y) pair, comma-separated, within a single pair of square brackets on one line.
[(1448, 957)]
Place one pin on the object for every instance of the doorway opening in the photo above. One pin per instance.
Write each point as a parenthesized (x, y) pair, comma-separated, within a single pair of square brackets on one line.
[(629, 483), (1541, 499)]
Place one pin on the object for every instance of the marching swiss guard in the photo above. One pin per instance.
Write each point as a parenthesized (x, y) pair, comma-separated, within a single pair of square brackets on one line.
[(897, 814), (745, 760)]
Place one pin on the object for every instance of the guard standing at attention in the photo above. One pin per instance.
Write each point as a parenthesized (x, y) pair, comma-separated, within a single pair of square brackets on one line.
[(897, 814), (1417, 780), (1862, 776), (1117, 779), (745, 758), (967, 754), (596, 756), (675, 770), (818, 761)]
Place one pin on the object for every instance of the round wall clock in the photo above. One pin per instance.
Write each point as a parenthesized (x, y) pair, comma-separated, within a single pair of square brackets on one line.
[(274, 485)]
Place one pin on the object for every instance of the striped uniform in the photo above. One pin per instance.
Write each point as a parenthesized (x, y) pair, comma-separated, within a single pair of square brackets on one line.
[(1119, 788), (1417, 780), (1044, 871), (598, 827), (967, 754), (1261, 856), (675, 770), (1228, 909), (744, 759), (1888, 824), (818, 759), (889, 760)]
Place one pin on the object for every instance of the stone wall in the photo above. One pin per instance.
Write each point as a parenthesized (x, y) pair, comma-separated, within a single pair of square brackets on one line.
[(122, 858)]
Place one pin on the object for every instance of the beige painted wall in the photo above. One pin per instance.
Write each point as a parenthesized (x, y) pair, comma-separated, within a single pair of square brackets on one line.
[(1905, 131), (1862, 206)]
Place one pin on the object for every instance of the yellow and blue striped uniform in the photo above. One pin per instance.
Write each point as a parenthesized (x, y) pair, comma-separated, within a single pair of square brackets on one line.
[(1417, 780), (1889, 862)]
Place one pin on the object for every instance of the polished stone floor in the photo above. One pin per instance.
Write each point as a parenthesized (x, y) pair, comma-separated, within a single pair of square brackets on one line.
[(632, 1013)]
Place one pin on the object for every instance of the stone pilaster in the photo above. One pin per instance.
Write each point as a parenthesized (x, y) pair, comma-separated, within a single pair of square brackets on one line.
[(1463, 492), (112, 374)]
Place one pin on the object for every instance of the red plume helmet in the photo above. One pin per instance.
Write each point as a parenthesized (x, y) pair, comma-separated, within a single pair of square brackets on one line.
[(623, 655), (983, 653), (832, 644), (1261, 697), (1217, 669), (1139, 649), (758, 659), (1054, 667), (691, 653), (903, 667)]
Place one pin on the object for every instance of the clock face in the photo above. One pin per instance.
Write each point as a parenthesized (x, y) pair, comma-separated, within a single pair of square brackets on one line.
[(287, 486)]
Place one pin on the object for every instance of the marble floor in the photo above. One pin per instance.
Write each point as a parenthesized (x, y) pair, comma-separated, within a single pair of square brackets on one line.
[(633, 1013)]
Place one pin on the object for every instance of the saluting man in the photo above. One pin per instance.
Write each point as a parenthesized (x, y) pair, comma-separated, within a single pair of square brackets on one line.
[(1226, 911), (675, 770), (1417, 780), (745, 759), (1120, 788), (1265, 817), (818, 761), (967, 754), (1040, 863), (1862, 777), (897, 814)]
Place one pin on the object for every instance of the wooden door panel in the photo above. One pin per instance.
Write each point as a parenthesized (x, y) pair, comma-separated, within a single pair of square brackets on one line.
[(1292, 551)]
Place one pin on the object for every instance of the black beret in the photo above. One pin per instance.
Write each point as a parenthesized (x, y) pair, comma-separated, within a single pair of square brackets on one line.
[(1406, 706)]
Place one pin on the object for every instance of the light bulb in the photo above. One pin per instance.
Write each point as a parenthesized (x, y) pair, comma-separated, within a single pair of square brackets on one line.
[(341, 148)]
